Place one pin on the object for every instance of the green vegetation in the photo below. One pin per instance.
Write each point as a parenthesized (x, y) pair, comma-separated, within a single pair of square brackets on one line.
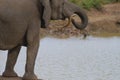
[(87, 4)]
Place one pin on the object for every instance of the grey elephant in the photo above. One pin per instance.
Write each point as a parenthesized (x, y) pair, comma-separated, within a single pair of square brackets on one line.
[(20, 21)]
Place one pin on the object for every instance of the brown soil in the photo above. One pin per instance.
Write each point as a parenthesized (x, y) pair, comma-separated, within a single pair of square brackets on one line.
[(101, 23), (8, 78), (12, 78), (105, 22)]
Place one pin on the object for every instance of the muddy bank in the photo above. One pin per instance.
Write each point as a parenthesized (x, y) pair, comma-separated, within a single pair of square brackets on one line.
[(15, 78), (101, 23), (105, 22), (12, 78)]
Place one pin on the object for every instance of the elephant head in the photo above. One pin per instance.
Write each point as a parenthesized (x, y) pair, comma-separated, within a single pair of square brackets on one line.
[(61, 9)]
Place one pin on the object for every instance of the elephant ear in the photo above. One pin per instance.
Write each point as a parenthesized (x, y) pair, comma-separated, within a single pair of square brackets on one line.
[(46, 13)]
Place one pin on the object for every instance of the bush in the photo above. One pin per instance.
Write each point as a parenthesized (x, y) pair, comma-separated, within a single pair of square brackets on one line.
[(76, 1), (87, 4)]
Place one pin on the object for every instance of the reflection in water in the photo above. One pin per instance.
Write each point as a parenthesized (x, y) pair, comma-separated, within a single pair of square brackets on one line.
[(74, 59)]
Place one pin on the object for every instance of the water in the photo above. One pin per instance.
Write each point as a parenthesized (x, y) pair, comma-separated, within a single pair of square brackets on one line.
[(73, 59)]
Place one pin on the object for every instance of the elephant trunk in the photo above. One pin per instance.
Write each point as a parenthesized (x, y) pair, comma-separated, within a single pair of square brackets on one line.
[(84, 19), (70, 9)]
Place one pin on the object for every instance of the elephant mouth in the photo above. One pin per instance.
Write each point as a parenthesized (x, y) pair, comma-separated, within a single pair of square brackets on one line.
[(58, 18)]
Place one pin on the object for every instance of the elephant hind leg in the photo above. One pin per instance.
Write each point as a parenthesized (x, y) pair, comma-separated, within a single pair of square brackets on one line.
[(11, 61), (30, 63), (32, 50)]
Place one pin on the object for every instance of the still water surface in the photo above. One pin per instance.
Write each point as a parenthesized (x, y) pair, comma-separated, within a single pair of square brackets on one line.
[(73, 59)]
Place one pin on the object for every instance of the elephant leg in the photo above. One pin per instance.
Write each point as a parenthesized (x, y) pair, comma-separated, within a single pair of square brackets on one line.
[(31, 56), (32, 50), (11, 61)]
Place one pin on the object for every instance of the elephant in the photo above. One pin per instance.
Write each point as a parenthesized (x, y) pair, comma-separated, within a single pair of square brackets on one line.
[(20, 23)]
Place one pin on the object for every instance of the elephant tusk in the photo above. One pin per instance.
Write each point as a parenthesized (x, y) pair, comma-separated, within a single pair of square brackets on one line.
[(69, 20)]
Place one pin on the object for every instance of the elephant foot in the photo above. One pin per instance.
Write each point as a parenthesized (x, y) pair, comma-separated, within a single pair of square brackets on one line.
[(29, 76), (8, 73)]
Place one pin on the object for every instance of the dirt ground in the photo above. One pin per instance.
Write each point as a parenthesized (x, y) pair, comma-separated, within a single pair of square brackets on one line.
[(15, 78), (104, 23), (12, 78)]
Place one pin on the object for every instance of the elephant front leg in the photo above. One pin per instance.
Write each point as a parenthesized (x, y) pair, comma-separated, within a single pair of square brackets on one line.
[(11, 61)]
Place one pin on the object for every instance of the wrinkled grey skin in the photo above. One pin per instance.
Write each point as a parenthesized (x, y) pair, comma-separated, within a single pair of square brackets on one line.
[(20, 21)]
